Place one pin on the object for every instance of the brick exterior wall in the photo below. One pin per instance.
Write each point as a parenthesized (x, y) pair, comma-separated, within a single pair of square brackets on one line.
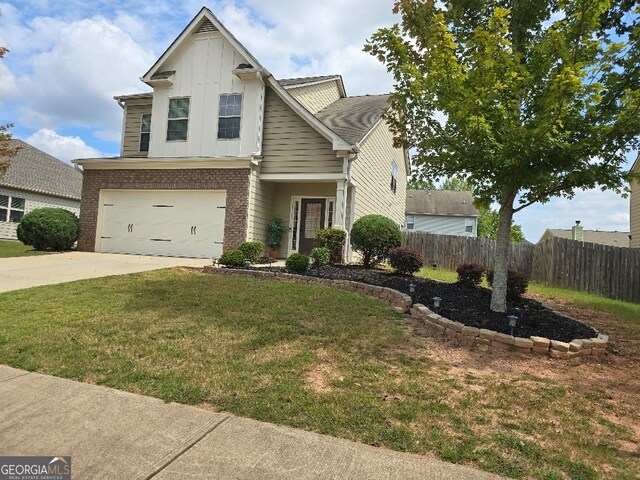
[(234, 181)]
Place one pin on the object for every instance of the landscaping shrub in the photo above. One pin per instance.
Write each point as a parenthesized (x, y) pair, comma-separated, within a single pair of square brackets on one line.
[(232, 258), (297, 263), (372, 236), (251, 250), (470, 274), (333, 239), (49, 229), (405, 260), (517, 283), (320, 256)]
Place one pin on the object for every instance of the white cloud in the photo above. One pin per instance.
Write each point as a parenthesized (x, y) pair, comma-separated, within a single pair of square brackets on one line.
[(59, 146), (73, 82)]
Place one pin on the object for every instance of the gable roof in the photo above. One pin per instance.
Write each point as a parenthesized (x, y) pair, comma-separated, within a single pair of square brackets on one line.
[(441, 202), (296, 82), (353, 117), (35, 171), (613, 239)]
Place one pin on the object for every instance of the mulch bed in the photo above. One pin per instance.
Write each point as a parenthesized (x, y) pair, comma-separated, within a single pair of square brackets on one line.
[(467, 305)]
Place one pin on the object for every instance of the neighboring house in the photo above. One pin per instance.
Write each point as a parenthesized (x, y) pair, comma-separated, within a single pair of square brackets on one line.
[(35, 180), (220, 147), (444, 212), (612, 239), (635, 207)]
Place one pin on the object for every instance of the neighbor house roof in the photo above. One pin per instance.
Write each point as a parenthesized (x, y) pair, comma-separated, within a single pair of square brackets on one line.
[(353, 117), (291, 82), (441, 202), (35, 171), (613, 239)]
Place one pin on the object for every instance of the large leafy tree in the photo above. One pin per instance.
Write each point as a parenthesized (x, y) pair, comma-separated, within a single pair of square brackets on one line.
[(524, 99), (6, 150)]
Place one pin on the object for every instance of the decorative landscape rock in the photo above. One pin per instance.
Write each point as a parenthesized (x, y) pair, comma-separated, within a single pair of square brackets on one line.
[(482, 339)]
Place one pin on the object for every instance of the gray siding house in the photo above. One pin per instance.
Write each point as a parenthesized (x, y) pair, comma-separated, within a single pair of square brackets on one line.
[(443, 212), (34, 180)]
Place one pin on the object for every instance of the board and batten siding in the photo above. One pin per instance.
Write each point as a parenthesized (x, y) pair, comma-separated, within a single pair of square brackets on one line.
[(134, 109), (318, 96), (291, 145), (443, 225), (372, 173), (33, 201), (635, 212), (204, 67), (261, 201)]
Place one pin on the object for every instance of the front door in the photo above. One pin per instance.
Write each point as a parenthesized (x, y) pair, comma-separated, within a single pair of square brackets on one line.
[(311, 220)]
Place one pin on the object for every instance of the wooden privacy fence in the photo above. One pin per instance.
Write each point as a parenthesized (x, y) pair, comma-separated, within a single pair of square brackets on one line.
[(611, 272)]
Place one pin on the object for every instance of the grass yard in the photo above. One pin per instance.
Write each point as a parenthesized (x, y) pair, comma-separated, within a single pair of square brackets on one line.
[(337, 363), (13, 248)]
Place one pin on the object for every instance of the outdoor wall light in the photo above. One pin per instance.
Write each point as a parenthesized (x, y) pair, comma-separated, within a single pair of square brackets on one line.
[(512, 322), (412, 288), (436, 302)]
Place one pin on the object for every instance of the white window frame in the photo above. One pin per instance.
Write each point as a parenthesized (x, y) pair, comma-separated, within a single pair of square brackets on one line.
[(169, 119), (468, 222), (394, 176), (299, 199), (241, 95), (412, 222), (10, 208), (142, 132)]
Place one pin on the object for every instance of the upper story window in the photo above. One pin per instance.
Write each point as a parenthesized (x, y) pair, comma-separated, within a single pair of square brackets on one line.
[(11, 209), (178, 123), (229, 116), (468, 225), (410, 222), (394, 176), (145, 132)]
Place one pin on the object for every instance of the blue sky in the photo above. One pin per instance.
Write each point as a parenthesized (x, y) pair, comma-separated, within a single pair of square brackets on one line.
[(68, 58)]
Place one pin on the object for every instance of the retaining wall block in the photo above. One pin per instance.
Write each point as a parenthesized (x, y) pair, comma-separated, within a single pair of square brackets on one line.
[(559, 346)]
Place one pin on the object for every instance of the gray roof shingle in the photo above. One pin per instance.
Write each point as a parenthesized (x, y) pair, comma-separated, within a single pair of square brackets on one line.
[(353, 117), (290, 82), (441, 202), (613, 239), (33, 170)]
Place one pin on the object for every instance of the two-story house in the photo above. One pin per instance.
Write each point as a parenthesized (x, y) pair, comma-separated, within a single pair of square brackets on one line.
[(220, 147)]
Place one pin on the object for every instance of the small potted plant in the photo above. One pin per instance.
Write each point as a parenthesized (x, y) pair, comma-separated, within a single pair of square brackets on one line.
[(276, 231)]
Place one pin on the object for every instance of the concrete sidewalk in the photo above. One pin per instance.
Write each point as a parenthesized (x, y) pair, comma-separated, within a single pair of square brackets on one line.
[(24, 272), (116, 435)]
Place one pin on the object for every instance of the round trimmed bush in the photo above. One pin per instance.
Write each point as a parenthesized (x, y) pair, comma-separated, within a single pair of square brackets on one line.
[(405, 260), (320, 256), (232, 258), (49, 229), (470, 274), (372, 236), (251, 250), (297, 263), (517, 283)]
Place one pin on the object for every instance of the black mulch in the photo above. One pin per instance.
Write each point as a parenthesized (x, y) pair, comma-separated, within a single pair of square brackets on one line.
[(468, 305)]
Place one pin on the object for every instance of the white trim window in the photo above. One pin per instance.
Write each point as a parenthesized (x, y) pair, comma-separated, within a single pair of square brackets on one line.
[(468, 225), (229, 116), (410, 222), (11, 209), (145, 131), (394, 176), (178, 122)]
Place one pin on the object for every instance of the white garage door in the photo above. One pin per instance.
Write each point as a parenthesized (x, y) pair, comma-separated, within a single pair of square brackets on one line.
[(184, 223)]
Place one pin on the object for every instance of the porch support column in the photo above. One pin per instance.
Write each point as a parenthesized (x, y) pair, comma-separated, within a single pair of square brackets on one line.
[(341, 205)]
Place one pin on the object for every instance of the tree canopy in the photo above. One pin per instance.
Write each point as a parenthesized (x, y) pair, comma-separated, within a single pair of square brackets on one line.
[(6, 150), (525, 100)]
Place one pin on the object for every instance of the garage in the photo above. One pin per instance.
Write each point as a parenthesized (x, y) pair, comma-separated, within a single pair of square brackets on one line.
[(175, 223)]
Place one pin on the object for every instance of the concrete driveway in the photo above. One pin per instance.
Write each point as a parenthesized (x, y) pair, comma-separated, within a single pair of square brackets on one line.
[(25, 272)]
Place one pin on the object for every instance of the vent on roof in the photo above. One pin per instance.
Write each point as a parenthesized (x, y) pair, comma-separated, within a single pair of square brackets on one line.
[(207, 27)]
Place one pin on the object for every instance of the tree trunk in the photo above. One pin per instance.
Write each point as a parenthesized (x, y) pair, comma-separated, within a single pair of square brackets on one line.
[(499, 294)]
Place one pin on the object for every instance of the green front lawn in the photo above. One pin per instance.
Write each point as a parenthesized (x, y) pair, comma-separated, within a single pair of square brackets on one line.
[(14, 248), (329, 361)]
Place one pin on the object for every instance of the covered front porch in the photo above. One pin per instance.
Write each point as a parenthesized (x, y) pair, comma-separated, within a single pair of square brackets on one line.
[(306, 207)]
